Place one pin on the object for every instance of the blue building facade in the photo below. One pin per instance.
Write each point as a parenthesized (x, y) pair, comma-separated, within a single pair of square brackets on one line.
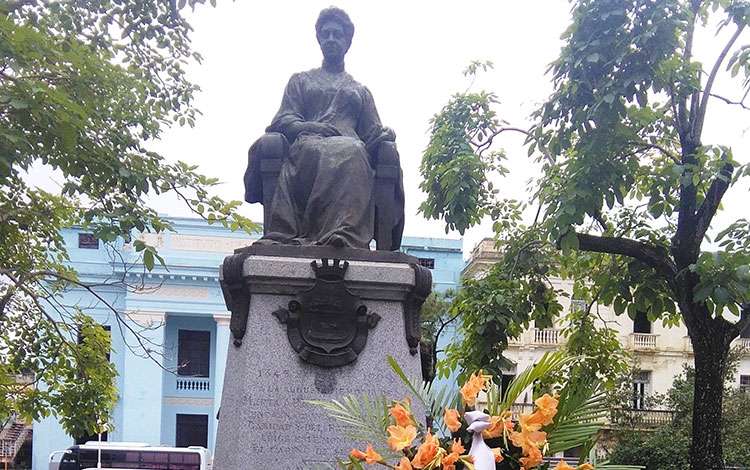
[(171, 376)]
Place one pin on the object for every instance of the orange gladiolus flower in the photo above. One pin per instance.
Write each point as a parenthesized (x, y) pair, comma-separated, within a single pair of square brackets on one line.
[(449, 461), (357, 454), (528, 441), (457, 447), (371, 456), (428, 452), (563, 465), (498, 425), (403, 465), (451, 419), (473, 386), (402, 416), (400, 437), (585, 466), (547, 406), (530, 422), (498, 454), (534, 458), (431, 439)]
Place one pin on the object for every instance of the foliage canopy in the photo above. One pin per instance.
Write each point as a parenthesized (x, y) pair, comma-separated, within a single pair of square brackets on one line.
[(628, 189), (84, 85)]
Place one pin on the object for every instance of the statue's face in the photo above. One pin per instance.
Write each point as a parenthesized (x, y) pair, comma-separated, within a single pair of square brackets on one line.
[(333, 42)]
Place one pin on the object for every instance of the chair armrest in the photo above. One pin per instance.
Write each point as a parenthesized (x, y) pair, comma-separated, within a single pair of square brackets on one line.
[(389, 197), (264, 161)]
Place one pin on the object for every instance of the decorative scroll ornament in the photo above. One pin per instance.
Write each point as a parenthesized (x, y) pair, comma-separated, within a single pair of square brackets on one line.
[(236, 294), (413, 306), (327, 325)]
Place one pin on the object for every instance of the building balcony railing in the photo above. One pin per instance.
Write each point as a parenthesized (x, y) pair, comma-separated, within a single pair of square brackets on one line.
[(641, 418), (744, 343), (192, 384), (189, 387), (643, 341), (518, 408), (619, 416), (547, 336)]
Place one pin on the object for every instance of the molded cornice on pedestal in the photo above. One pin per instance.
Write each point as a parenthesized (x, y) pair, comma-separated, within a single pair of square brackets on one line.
[(285, 270)]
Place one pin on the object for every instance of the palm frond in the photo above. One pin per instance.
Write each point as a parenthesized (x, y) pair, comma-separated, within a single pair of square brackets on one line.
[(494, 393), (368, 422), (433, 400), (550, 361), (580, 416)]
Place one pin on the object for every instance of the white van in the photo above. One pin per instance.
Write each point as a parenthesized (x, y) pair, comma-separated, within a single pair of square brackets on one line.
[(130, 455)]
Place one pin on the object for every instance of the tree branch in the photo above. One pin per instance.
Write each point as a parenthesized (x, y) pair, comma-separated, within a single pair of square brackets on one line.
[(741, 103), (682, 113), (520, 252), (697, 127), (597, 215), (486, 144), (443, 325), (148, 352), (666, 152), (711, 203), (651, 255)]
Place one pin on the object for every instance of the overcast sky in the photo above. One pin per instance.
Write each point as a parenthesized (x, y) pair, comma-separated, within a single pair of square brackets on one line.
[(410, 55)]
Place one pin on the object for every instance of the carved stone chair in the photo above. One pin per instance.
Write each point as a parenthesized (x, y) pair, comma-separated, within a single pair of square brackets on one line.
[(266, 157)]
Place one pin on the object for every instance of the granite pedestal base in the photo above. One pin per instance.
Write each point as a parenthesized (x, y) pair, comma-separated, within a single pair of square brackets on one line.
[(264, 421)]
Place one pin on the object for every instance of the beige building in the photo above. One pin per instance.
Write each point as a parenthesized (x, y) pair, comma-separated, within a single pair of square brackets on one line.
[(659, 351)]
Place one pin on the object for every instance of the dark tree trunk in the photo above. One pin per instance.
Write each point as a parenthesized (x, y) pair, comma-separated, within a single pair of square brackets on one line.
[(710, 345)]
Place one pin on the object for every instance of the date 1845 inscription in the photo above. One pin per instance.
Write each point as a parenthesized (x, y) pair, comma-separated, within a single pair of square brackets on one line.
[(327, 325)]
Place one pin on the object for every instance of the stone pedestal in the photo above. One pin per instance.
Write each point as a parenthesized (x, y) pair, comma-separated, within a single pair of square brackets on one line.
[(264, 420)]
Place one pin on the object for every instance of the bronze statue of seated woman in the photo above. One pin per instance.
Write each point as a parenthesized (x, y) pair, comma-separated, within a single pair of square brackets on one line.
[(336, 178)]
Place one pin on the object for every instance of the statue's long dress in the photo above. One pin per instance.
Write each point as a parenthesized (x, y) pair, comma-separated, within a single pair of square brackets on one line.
[(325, 190)]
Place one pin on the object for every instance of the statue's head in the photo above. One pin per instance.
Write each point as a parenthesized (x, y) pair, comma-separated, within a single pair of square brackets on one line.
[(334, 31)]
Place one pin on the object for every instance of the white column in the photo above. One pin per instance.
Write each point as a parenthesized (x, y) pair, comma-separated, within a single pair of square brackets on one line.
[(222, 345), (142, 393)]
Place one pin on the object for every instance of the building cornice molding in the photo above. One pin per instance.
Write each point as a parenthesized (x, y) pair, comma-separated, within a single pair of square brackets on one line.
[(147, 318), (222, 319)]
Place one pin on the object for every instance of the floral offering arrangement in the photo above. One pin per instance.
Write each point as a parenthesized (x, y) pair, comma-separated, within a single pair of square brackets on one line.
[(462, 437)]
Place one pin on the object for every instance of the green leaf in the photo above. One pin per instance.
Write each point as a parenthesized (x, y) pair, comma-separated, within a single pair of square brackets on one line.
[(148, 259), (569, 242), (19, 103)]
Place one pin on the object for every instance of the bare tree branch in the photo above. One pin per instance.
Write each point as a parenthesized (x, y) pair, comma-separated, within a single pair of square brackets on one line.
[(699, 119), (740, 103), (122, 324)]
